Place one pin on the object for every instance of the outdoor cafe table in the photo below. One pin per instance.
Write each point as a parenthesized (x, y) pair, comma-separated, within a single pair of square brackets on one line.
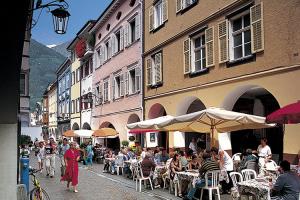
[(258, 187), (191, 176)]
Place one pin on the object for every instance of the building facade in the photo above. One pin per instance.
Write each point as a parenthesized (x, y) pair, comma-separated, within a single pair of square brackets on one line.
[(117, 68), (63, 97), (52, 110), (201, 54), (44, 110)]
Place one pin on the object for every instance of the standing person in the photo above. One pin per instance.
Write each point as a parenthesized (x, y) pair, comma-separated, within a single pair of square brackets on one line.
[(61, 152), (71, 158), (50, 151), (175, 166), (41, 155), (89, 155), (264, 154), (226, 163), (287, 185), (193, 145)]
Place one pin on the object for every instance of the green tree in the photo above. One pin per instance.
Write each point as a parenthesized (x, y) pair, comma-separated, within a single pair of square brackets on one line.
[(25, 139)]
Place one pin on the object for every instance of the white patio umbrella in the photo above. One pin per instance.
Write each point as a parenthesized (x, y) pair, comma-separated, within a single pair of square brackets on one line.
[(151, 123), (211, 119)]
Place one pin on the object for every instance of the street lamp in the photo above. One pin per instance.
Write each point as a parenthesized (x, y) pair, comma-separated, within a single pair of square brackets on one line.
[(60, 15)]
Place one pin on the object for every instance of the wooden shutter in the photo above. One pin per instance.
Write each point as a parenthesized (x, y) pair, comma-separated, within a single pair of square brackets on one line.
[(223, 41), (209, 46), (158, 68), (122, 38), (126, 83), (113, 42), (151, 18), (122, 85), (113, 88), (257, 28), (126, 33), (164, 10), (137, 26), (178, 5), (187, 56), (149, 72), (137, 79)]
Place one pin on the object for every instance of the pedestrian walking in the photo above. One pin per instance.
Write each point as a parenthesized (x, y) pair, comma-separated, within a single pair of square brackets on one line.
[(41, 155), (89, 155), (62, 148), (71, 157), (50, 152)]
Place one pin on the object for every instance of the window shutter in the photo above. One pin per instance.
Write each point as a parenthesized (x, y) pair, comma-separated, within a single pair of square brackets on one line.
[(257, 28), (137, 79), (129, 39), (126, 83), (113, 41), (165, 10), (122, 38), (149, 72), (151, 18), (100, 94), (122, 85), (158, 68), (137, 26), (223, 41), (94, 60), (109, 48), (104, 53), (126, 32), (209, 46), (178, 5), (187, 55), (113, 88)]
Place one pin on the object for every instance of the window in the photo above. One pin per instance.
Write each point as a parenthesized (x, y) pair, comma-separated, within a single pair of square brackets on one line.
[(73, 78), (73, 56), (132, 31), (183, 4), (154, 69), (68, 81), (98, 94), (133, 81), (198, 54), (78, 105), (105, 91), (119, 15), (107, 50), (86, 69), (73, 106), (240, 37), (117, 42), (158, 14), (22, 84), (132, 2), (77, 74), (118, 86)]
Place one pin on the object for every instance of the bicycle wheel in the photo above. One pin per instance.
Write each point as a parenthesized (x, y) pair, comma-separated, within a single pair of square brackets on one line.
[(36, 194)]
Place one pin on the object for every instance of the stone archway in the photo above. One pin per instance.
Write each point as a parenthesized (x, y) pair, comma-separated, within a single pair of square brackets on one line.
[(112, 143), (256, 100), (75, 126), (86, 126)]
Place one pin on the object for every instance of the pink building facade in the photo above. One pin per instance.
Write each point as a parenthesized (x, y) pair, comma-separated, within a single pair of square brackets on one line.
[(117, 69)]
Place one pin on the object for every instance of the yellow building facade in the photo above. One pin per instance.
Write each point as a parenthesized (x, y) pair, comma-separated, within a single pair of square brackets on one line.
[(237, 55)]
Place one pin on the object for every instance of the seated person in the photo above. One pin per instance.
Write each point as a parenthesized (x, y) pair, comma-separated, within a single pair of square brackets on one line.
[(148, 167), (108, 154), (207, 165), (194, 164), (183, 160), (164, 156), (287, 185), (249, 161), (175, 166), (130, 153), (157, 156)]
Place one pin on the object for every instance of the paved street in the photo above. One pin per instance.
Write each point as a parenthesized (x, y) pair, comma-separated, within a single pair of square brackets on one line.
[(93, 184)]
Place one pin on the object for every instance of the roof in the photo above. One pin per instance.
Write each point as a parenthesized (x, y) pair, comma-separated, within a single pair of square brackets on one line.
[(63, 66)]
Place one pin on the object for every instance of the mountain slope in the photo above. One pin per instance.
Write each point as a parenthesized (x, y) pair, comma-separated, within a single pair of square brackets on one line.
[(62, 49), (43, 64)]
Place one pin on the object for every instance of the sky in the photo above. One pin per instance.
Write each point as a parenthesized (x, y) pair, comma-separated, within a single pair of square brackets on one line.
[(81, 11)]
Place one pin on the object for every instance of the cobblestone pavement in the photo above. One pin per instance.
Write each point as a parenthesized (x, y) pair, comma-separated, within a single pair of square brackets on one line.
[(93, 184)]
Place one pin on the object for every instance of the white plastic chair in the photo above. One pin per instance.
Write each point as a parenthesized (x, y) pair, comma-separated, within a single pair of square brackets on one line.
[(236, 177), (249, 174), (214, 177), (236, 156), (140, 178), (119, 164)]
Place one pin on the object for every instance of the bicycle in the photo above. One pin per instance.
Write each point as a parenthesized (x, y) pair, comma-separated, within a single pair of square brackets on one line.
[(37, 193)]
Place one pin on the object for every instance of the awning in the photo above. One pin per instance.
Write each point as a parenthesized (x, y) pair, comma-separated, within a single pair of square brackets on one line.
[(138, 131), (78, 133), (105, 133), (151, 123)]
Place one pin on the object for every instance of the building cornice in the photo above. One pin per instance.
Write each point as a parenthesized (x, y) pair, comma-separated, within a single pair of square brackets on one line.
[(118, 112)]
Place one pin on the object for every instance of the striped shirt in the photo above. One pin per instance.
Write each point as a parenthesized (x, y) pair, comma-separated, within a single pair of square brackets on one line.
[(208, 165)]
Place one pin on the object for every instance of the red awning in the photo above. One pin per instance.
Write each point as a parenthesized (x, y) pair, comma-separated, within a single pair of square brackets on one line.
[(138, 131)]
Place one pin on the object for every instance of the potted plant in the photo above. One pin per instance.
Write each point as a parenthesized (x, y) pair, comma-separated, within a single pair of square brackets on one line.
[(125, 143)]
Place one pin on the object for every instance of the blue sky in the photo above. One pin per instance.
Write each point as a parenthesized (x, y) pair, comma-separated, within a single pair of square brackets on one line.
[(81, 11)]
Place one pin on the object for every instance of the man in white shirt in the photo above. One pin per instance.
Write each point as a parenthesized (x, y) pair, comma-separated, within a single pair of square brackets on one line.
[(264, 154), (193, 145)]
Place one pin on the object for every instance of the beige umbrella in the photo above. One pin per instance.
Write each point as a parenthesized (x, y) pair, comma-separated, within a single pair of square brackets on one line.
[(78, 133), (151, 123), (211, 119)]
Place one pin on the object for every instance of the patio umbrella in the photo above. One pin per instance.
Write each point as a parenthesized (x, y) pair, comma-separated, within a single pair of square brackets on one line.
[(105, 133), (211, 119), (289, 114), (78, 133), (151, 123)]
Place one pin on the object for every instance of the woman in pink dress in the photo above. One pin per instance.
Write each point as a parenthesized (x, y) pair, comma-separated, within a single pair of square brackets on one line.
[(71, 156)]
